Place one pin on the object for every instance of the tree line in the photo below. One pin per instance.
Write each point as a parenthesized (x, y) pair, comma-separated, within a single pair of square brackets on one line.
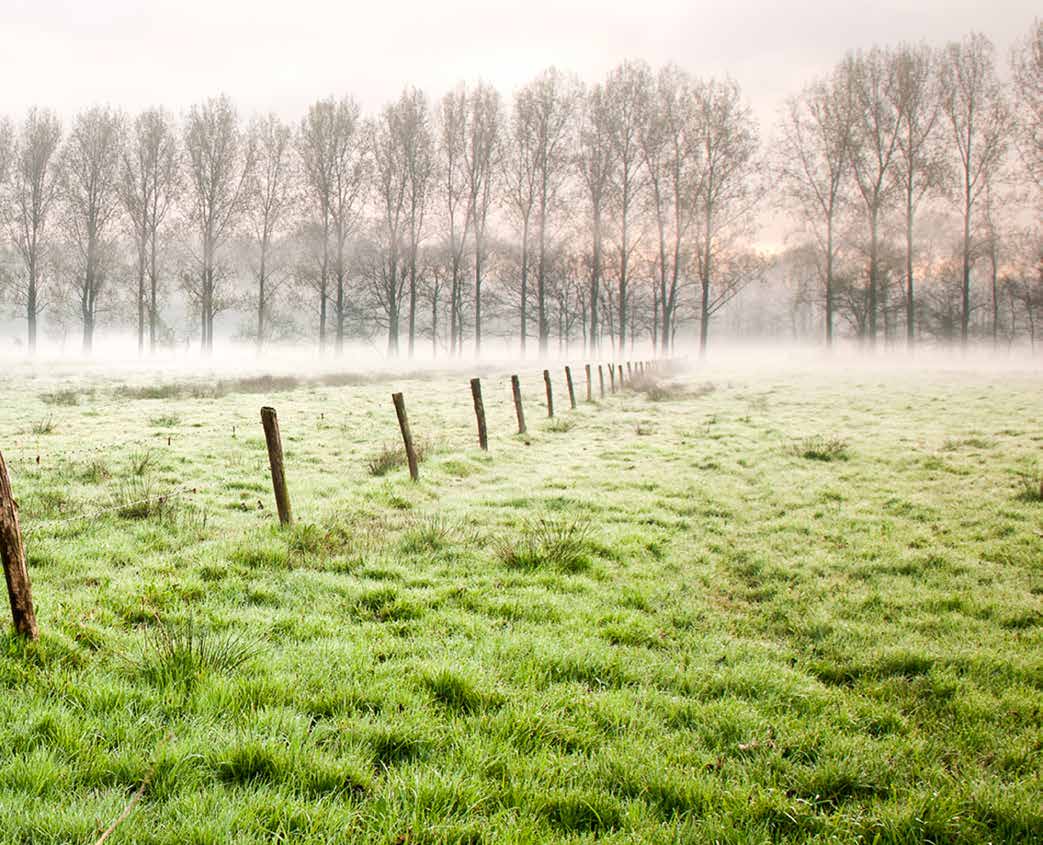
[(604, 215)]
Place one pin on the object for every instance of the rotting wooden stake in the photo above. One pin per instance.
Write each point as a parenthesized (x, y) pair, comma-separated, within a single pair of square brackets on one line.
[(516, 390), (572, 390), (479, 413), (12, 554), (590, 394), (407, 435), (275, 459), (550, 393)]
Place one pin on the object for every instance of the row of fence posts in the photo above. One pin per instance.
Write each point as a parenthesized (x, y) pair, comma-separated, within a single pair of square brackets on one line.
[(12, 549)]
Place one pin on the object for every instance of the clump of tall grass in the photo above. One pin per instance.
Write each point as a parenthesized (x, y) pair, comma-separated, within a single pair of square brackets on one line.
[(46, 426), (821, 448), (560, 543), (179, 654), (64, 398), (561, 425), (1030, 478), (392, 457)]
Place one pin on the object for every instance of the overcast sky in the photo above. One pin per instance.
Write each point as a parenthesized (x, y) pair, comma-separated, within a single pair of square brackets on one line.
[(282, 55)]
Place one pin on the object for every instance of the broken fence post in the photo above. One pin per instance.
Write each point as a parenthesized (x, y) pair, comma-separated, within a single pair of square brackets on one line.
[(275, 459), (479, 413), (516, 390), (12, 555), (407, 435)]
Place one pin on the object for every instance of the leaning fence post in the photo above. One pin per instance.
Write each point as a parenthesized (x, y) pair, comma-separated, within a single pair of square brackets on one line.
[(572, 390), (601, 380), (550, 393), (516, 390), (590, 394), (479, 412), (619, 372), (12, 554), (407, 435), (271, 435), (612, 377)]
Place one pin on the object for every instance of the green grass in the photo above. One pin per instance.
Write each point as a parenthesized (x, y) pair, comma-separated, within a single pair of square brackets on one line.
[(734, 608)]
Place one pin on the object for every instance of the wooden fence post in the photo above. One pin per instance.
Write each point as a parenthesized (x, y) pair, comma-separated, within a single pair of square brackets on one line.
[(629, 371), (516, 390), (271, 435), (619, 372), (479, 412), (12, 554), (550, 393), (572, 390), (407, 435), (601, 380), (590, 388), (612, 377)]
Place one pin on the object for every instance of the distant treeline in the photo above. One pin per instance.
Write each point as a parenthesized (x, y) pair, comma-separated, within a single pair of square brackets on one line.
[(611, 214)]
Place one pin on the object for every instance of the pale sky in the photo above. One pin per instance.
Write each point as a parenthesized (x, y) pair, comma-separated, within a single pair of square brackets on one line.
[(282, 55)]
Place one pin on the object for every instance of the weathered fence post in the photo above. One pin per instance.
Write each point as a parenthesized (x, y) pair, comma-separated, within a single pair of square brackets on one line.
[(629, 371), (407, 435), (601, 380), (271, 435), (12, 555), (590, 393), (516, 390), (550, 393), (479, 412), (619, 372), (572, 390), (612, 377)]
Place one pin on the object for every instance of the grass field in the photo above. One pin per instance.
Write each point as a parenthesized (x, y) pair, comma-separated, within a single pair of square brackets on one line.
[(783, 607)]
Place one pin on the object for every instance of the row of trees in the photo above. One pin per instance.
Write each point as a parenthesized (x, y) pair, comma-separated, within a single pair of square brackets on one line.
[(609, 214)]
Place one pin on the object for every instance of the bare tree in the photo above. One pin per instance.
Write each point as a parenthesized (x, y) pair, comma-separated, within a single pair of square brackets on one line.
[(389, 272), (1027, 67), (219, 160), (34, 188), (628, 92), (595, 161), (481, 154), (813, 162), (149, 187), (332, 149), (90, 162), (876, 129), (919, 164), (269, 201), (979, 121), (727, 139), (454, 196), (545, 111), (520, 173)]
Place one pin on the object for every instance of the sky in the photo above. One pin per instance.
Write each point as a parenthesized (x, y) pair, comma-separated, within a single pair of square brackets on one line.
[(280, 56)]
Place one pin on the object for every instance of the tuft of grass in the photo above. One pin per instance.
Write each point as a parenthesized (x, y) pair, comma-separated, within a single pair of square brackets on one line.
[(561, 543), (561, 425), (165, 421), (456, 691), (821, 448), (1030, 482), (392, 457), (142, 463), (46, 426), (179, 655), (62, 398), (139, 498), (95, 472)]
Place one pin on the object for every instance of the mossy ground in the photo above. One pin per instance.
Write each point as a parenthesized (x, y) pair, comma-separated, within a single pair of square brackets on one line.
[(669, 622)]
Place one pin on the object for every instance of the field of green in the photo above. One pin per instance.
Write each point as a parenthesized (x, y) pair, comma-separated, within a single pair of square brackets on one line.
[(724, 607)]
